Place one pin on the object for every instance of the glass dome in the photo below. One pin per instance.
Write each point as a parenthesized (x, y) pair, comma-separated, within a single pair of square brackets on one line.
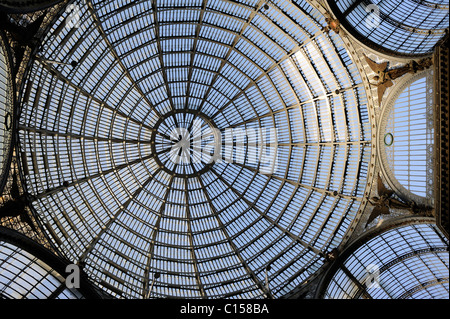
[(119, 98), (30, 271), (406, 27), (407, 262)]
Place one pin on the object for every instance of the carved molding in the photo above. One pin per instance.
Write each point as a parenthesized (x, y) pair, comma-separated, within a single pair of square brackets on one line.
[(441, 113)]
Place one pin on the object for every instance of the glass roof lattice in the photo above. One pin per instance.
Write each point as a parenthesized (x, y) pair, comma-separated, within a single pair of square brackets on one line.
[(400, 27), (108, 134), (6, 106), (409, 262), (24, 276)]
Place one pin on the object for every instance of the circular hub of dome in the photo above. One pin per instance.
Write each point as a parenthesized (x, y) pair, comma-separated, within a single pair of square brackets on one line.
[(178, 142)]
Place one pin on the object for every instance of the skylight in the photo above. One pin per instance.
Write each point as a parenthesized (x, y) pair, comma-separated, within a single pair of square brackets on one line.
[(98, 147)]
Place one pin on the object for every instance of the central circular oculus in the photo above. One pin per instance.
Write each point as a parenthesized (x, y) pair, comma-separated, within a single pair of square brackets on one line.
[(184, 142)]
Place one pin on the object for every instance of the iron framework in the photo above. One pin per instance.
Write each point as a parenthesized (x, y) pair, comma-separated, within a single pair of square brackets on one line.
[(102, 84), (398, 28), (30, 271), (406, 258), (6, 110)]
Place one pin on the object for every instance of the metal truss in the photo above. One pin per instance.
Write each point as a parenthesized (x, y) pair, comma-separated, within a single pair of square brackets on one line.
[(408, 261), (6, 109), (30, 271), (102, 98), (383, 26)]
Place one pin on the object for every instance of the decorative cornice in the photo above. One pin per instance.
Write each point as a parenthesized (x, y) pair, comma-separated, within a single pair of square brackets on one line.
[(441, 119)]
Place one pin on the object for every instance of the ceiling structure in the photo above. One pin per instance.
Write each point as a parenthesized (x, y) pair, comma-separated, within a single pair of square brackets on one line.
[(119, 101), (129, 211), (30, 271), (6, 111), (408, 261), (410, 27)]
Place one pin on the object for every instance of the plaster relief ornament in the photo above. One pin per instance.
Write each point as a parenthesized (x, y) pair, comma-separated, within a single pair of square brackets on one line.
[(385, 76), (384, 202), (332, 24)]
